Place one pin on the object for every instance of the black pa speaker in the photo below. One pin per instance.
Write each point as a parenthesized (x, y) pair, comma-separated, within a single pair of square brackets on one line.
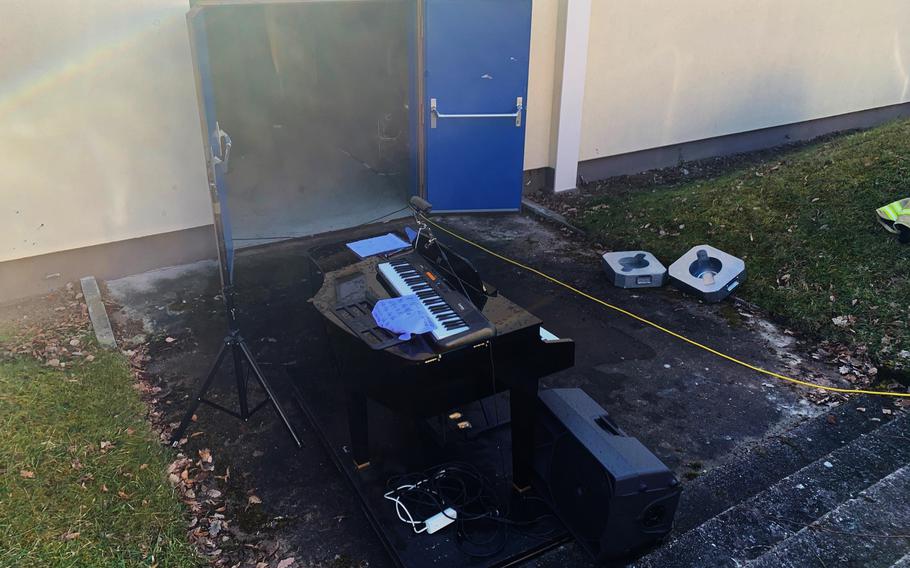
[(613, 494)]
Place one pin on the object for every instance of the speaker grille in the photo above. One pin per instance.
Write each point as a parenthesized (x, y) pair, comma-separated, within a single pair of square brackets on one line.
[(581, 489)]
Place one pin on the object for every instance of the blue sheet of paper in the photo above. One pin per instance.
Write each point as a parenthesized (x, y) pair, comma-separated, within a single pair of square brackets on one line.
[(378, 245)]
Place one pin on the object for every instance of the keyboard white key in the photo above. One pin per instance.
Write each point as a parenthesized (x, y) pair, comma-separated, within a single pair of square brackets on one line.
[(546, 335), (405, 279)]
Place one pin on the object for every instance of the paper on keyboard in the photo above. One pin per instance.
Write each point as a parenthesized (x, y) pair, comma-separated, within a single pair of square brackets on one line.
[(403, 315), (378, 245)]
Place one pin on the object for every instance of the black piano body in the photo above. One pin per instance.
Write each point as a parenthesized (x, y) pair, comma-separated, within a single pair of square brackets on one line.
[(418, 379)]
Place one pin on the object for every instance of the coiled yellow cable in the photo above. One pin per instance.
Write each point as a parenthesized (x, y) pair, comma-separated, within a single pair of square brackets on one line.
[(662, 328)]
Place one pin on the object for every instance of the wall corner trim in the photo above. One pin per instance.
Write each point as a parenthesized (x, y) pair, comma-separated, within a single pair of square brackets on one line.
[(572, 63)]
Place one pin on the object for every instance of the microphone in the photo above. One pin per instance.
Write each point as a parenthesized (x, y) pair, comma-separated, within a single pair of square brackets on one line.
[(420, 205)]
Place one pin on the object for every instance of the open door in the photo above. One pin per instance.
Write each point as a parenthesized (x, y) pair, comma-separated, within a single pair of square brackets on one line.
[(335, 109), (315, 97), (475, 92), (216, 143)]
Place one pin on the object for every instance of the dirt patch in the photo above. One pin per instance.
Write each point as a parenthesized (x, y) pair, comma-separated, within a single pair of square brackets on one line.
[(53, 329)]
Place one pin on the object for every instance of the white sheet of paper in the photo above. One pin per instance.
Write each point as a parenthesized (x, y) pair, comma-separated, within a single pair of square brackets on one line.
[(403, 315)]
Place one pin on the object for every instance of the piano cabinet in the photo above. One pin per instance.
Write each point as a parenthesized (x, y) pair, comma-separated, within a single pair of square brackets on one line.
[(415, 379)]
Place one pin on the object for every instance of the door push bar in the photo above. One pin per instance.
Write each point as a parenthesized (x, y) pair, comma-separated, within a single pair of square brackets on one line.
[(519, 107)]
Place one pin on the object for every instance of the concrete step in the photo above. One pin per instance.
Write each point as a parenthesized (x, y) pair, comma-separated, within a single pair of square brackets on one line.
[(754, 468), (747, 530), (871, 530)]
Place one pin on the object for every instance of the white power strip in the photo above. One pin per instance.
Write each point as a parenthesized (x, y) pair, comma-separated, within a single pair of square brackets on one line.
[(435, 523), (440, 521)]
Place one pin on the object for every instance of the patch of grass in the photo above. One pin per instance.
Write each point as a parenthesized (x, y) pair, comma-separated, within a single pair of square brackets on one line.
[(64, 499), (805, 225), (6, 333)]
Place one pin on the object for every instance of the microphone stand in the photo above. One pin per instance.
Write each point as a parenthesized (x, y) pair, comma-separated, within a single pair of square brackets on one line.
[(422, 208), (233, 343), (236, 345)]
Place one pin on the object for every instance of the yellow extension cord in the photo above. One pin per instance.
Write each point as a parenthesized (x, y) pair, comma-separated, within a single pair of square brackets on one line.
[(660, 327)]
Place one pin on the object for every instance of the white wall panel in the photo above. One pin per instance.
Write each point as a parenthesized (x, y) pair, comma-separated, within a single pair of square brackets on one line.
[(99, 129), (663, 71)]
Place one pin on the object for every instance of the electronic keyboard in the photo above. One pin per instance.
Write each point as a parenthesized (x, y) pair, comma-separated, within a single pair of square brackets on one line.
[(456, 322)]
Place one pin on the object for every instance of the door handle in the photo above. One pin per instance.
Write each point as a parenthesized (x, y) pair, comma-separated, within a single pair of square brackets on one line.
[(435, 114), (223, 156)]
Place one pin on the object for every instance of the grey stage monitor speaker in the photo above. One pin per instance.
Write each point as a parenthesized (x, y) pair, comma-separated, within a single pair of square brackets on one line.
[(613, 494)]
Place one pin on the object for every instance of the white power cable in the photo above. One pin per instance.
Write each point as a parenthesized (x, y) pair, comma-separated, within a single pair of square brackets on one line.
[(400, 507)]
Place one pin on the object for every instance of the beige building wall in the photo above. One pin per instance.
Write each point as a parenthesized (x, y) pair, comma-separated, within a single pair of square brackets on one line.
[(541, 83), (100, 139), (99, 129), (663, 72)]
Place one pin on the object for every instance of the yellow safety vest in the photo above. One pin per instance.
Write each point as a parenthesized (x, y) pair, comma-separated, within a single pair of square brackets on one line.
[(895, 217)]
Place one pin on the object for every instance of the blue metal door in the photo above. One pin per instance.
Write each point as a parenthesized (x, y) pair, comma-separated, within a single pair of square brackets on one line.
[(476, 82), (217, 143)]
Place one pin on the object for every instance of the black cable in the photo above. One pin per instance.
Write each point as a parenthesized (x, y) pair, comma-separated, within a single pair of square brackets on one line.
[(286, 237), (448, 485), (482, 524), (463, 488), (384, 216)]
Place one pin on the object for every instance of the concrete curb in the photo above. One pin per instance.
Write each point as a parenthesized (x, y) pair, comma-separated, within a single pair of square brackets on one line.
[(98, 313), (546, 214)]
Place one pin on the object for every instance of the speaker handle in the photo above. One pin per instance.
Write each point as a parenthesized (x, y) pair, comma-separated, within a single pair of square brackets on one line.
[(606, 423)]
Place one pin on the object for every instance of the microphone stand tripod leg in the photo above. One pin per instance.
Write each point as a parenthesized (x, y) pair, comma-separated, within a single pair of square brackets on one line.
[(268, 390), (239, 352), (197, 400)]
